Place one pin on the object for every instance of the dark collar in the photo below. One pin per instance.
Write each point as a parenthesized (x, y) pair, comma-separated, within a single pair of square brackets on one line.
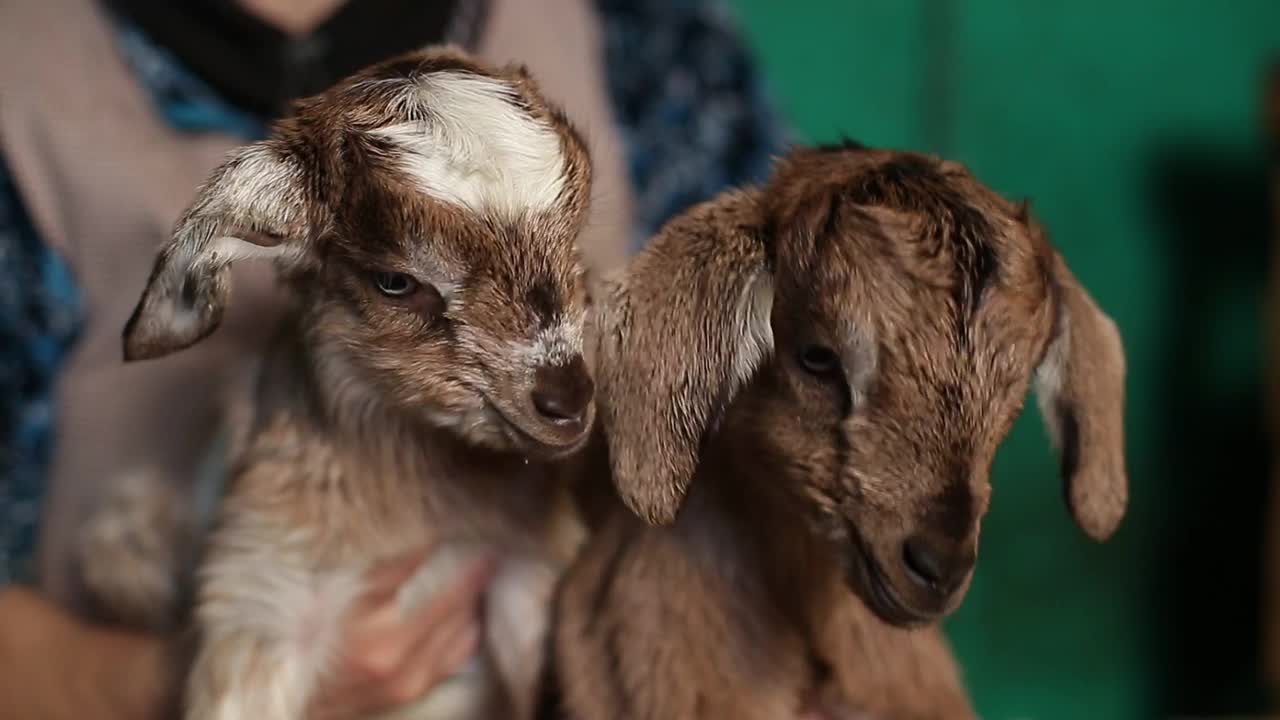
[(261, 69)]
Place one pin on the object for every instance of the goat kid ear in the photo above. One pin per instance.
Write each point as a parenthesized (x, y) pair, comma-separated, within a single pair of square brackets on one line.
[(1080, 387), (251, 206), (680, 331)]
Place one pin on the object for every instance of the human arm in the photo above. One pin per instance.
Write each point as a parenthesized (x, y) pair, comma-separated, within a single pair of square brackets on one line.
[(57, 667)]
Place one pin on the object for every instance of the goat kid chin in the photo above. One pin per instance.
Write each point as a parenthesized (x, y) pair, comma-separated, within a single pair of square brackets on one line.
[(801, 388), (425, 213)]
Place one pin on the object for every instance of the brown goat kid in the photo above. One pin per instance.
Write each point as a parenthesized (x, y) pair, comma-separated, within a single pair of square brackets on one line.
[(802, 387), (425, 212)]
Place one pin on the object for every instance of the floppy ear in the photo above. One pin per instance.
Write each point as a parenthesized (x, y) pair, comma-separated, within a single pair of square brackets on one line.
[(679, 332), (251, 206), (1080, 386)]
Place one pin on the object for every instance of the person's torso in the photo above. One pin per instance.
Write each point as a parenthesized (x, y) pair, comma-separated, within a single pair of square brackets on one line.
[(104, 178)]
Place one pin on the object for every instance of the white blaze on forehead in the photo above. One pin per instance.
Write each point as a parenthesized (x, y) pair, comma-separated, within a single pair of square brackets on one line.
[(476, 148)]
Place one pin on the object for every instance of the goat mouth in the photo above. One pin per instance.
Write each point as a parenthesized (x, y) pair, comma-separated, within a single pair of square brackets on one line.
[(525, 440), (865, 573)]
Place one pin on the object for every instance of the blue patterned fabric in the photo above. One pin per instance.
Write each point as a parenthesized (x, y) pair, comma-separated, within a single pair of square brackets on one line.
[(186, 101), (39, 320), (693, 110), (693, 114), (40, 306)]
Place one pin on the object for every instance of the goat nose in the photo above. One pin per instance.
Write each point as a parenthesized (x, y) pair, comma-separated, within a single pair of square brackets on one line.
[(562, 393), (933, 564)]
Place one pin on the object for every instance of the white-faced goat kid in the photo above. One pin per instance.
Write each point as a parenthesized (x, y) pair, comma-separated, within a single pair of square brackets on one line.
[(802, 387), (425, 212)]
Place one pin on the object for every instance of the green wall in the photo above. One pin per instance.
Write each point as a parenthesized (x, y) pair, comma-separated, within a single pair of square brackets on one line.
[(1133, 127)]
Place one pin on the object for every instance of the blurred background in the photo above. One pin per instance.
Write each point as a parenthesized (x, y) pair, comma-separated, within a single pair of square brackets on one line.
[(1143, 131), (1137, 129)]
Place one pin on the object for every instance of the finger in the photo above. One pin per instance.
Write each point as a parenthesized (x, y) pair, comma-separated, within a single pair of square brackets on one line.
[(461, 649), (337, 700), (386, 627), (389, 660), (381, 652), (432, 657), (325, 709), (459, 597), (380, 637), (386, 577), (419, 669), (437, 658), (338, 693)]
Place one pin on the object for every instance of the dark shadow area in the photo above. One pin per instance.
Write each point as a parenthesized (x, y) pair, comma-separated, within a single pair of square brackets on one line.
[(1213, 496)]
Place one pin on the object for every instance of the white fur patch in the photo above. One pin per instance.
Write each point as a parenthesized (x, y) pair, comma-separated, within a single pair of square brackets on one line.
[(1050, 378), (755, 327), (270, 628), (475, 148), (462, 695), (182, 320), (262, 186), (448, 291), (228, 249), (864, 363), (554, 345), (437, 574), (258, 190)]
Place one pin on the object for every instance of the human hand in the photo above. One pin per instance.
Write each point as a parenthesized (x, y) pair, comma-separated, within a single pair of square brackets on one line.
[(390, 659), (60, 668)]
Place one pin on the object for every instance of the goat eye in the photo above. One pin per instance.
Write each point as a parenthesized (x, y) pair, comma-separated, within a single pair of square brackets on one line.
[(395, 284), (819, 360)]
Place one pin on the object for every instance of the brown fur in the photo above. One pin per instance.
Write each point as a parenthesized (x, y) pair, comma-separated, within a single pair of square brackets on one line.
[(773, 508), (385, 421)]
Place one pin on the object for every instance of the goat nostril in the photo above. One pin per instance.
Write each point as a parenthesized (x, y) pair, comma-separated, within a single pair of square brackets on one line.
[(926, 565), (556, 407), (562, 393)]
